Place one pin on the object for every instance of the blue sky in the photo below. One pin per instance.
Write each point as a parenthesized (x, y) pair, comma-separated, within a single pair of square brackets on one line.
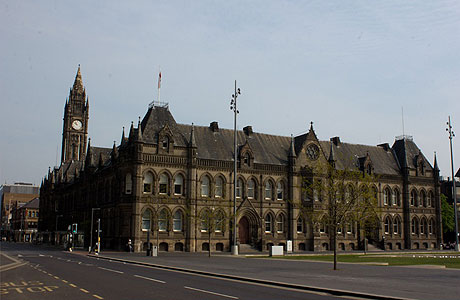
[(349, 66)]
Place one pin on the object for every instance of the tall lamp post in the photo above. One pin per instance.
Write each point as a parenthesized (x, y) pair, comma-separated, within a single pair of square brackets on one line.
[(235, 177), (91, 234), (454, 185)]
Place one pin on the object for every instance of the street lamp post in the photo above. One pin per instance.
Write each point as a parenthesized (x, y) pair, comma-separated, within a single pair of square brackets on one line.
[(235, 177), (454, 185), (91, 234)]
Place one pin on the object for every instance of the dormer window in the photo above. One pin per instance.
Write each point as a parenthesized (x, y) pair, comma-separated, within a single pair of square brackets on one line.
[(165, 143), (247, 160)]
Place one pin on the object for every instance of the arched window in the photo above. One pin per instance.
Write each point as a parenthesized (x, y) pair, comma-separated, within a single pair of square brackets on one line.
[(177, 221), (430, 202), (179, 185), (219, 187), (268, 190), (386, 196), (414, 229), (220, 221), (280, 190), (375, 193), (239, 188), (129, 184), (300, 225), (431, 226), (251, 189), (163, 220), (413, 198), (148, 183), (396, 197), (387, 225), (268, 223), (165, 143), (423, 199), (397, 226), (205, 186), (146, 220), (280, 223), (205, 216), (164, 184), (423, 226)]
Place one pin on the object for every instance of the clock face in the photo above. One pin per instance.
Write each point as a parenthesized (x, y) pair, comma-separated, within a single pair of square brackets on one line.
[(312, 152), (76, 125)]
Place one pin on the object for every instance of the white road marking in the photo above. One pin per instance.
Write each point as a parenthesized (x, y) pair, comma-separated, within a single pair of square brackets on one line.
[(120, 272), (148, 278), (209, 292)]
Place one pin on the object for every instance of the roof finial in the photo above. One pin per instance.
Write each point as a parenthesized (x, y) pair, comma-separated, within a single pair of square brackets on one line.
[(311, 126)]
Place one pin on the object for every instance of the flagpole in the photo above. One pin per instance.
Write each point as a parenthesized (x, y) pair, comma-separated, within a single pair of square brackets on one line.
[(159, 86)]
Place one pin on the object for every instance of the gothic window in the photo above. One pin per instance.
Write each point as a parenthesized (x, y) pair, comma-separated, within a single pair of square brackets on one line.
[(431, 226), (386, 196), (239, 188), (163, 220), (300, 225), (387, 225), (128, 183), (218, 193), (423, 227), (251, 188), (177, 221), (164, 184), (414, 229), (430, 202), (146, 220), (280, 223), (148, 182), (413, 198), (397, 226), (205, 186), (247, 159), (165, 143), (423, 199), (268, 190), (179, 185), (205, 221), (280, 190), (268, 223), (220, 221)]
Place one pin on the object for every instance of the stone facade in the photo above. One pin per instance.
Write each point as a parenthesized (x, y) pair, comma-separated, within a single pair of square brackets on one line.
[(165, 181)]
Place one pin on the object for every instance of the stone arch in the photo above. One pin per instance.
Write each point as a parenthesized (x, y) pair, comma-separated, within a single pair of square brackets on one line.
[(249, 221)]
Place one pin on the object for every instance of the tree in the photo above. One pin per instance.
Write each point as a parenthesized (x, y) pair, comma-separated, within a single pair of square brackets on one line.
[(213, 219), (447, 214), (335, 198)]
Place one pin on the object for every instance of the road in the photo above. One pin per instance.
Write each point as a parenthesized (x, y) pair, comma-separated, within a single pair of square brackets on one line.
[(29, 272)]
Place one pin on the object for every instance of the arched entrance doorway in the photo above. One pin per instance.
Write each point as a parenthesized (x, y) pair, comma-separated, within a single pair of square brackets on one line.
[(243, 231)]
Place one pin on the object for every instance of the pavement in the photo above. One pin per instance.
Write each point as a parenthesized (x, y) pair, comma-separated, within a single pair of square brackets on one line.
[(369, 281)]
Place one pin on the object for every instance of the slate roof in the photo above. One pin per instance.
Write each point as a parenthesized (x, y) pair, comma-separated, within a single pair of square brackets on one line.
[(34, 203), (273, 149)]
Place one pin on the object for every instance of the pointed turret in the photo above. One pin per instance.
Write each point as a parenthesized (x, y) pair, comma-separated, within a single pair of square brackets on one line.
[(114, 153), (78, 83), (436, 168), (332, 159), (131, 131), (292, 147), (192, 141), (89, 155), (139, 131), (122, 136)]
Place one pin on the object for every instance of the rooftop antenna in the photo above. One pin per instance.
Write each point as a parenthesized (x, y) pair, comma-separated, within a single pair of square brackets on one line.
[(159, 84)]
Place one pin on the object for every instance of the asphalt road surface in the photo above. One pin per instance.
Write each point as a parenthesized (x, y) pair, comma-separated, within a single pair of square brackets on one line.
[(39, 273)]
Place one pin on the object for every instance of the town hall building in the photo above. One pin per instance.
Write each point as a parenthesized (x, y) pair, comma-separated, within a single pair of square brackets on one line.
[(171, 184)]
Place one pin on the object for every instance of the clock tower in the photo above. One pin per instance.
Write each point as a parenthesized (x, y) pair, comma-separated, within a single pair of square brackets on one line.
[(75, 126)]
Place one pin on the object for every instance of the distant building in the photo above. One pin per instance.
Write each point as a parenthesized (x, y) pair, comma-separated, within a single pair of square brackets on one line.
[(446, 189), (24, 220), (163, 180), (11, 195)]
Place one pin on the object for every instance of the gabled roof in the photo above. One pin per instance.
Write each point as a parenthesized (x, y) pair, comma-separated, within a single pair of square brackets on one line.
[(34, 203), (347, 156), (407, 152)]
